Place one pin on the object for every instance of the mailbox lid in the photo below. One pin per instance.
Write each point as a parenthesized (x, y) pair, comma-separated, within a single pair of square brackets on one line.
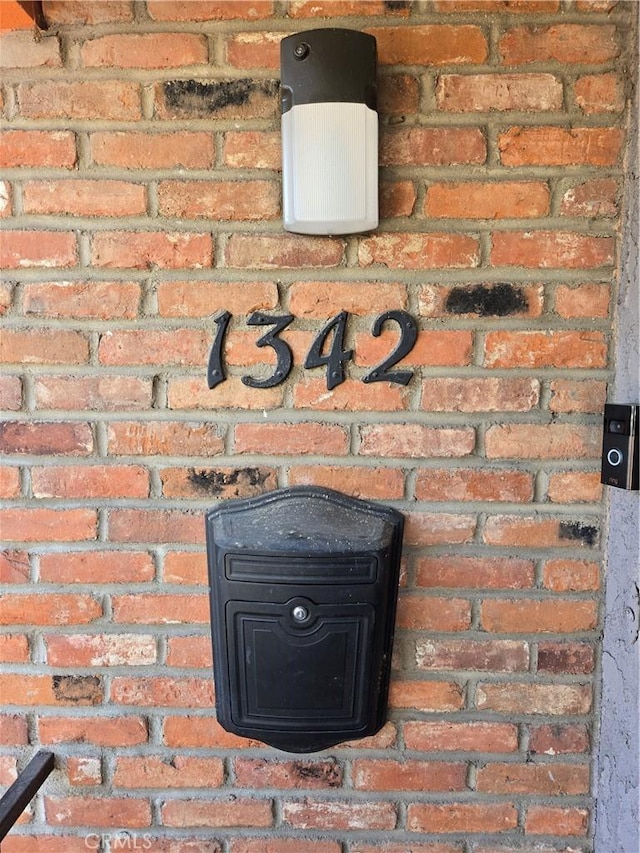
[(304, 520)]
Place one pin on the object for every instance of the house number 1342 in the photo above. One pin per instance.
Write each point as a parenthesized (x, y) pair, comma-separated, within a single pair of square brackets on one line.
[(327, 349)]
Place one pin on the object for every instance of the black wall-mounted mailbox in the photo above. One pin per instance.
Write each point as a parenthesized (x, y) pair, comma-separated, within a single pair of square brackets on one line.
[(303, 596)]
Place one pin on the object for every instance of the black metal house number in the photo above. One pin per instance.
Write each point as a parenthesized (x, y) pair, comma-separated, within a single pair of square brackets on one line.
[(327, 349)]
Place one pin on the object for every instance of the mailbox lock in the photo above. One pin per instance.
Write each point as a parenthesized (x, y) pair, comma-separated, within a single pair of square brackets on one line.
[(300, 613)]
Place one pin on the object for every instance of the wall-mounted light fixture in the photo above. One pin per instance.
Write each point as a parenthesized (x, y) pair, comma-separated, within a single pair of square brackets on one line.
[(329, 132)]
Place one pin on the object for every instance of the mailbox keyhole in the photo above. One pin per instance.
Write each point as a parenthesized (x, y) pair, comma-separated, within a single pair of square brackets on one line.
[(300, 613)]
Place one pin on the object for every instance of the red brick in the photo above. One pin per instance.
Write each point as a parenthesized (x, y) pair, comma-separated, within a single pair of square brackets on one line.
[(284, 845), (83, 771), (437, 44), (421, 613), (426, 695), (461, 572), (49, 609), (179, 771), (101, 650), (208, 10), (339, 815), (197, 482), (14, 567), (95, 481), (549, 249), (433, 348), (571, 575), (487, 200), (44, 843), (569, 658), (559, 146), (84, 198), (88, 12), (494, 394), (599, 93), (303, 773), (82, 299), (516, 617), (191, 394), (231, 99), (595, 198), (162, 609), (409, 847), (283, 439), (509, 6), (468, 484), (409, 775), (488, 92), (349, 396), (338, 8), (201, 732), (275, 252), (559, 739), (27, 249), (164, 438), (56, 148), (556, 820), (93, 393), (530, 778), (415, 441), (397, 198), (101, 731), (398, 95), (148, 50), (169, 150), (14, 648), (98, 99), (22, 49), (190, 652), (542, 441), (9, 483), (419, 251), (204, 298), (545, 349), (368, 483), (539, 532), (461, 817), (439, 528), (6, 202), (219, 200), (227, 811), (254, 50), (577, 396), (575, 487), (318, 299), (6, 296), (150, 346), (488, 656), (13, 730), (445, 736), (43, 347), (252, 149), (37, 690), (162, 692), (556, 699), (151, 250), (8, 770), (133, 525), (117, 812), (585, 300), (432, 146), (10, 397), (31, 524), (185, 567), (565, 43)]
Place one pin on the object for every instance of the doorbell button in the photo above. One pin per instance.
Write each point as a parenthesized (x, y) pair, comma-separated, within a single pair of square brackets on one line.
[(614, 456)]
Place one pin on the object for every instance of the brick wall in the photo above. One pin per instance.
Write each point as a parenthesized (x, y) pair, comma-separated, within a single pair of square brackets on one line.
[(141, 197)]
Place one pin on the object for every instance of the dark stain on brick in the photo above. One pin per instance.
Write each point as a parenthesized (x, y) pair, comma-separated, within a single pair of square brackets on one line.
[(397, 5), (487, 300), (325, 772), (585, 533), (214, 482), (211, 97), (82, 689)]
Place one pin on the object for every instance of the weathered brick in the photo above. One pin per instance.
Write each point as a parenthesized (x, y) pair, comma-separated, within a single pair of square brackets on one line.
[(599, 93), (26, 249), (545, 349), (88, 12), (525, 531), (349, 396), (538, 441), (432, 146), (548, 249), (93, 567), (36, 148), (49, 609), (410, 775), (487, 92), (101, 731), (311, 774), (435, 45), (291, 439), (426, 695), (461, 817), (164, 438), (451, 348), (21, 49), (339, 815), (317, 299), (98, 99), (14, 648), (185, 567), (95, 481), (569, 658), (44, 438), (559, 739), (9, 483), (138, 150), (423, 613), (577, 396), (13, 730), (468, 484), (141, 525), (102, 392), (191, 394), (424, 528), (151, 250), (219, 200), (225, 482), (252, 149), (475, 572), (149, 50), (101, 650), (571, 575), (151, 346), (208, 10), (555, 699), (487, 200), (415, 440), (559, 146), (419, 251), (480, 395), (333, 8), (228, 99), (192, 652), (369, 483), (516, 617), (128, 813), (83, 770), (397, 198), (575, 487), (275, 252), (82, 299), (557, 820), (531, 778), (151, 771), (39, 524), (43, 347), (566, 43), (226, 811), (10, 397), (84, 198), (162, 691)]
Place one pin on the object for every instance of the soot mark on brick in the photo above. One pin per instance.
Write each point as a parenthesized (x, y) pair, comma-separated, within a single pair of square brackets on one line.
[(215, 482), (212, 97), (83, 689), (397, 5), (585, 533), (496, 300), (327, 772)]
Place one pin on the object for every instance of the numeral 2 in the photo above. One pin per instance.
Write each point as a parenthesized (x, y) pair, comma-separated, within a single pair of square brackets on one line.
[(408, 336)]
